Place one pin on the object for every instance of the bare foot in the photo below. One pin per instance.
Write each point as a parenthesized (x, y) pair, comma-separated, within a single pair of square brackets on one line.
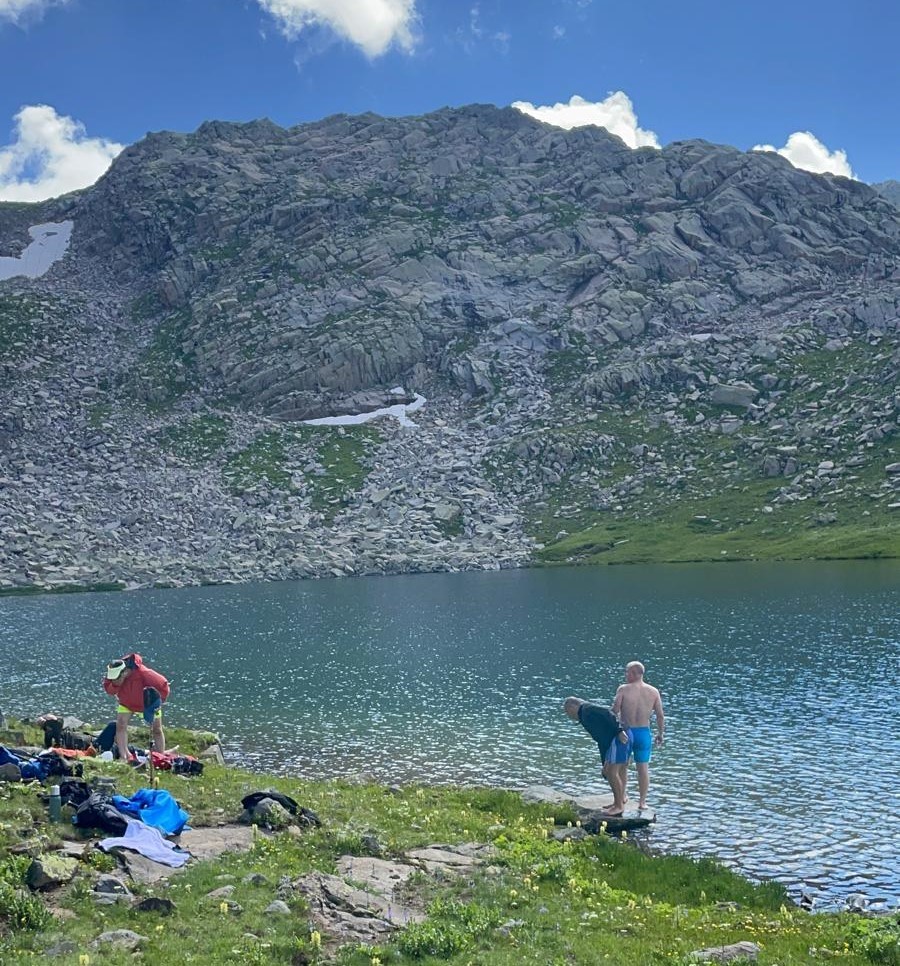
[(641, 806), (612, 810)]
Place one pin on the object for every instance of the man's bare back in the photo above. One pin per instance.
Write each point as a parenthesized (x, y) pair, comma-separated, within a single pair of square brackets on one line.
[(635, 702)]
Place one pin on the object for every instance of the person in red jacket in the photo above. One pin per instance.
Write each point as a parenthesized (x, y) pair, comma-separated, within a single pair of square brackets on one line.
[(139, 690)]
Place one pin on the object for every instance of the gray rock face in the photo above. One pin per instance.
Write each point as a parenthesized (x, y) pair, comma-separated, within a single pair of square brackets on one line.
[(222, 285), (370, 897), (889, 190)]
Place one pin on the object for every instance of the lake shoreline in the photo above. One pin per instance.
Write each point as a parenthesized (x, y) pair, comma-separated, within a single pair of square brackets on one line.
[(593, 561), (549, 892), (458, 679)]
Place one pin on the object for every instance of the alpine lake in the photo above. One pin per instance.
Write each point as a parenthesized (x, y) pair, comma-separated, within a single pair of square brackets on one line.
[(780, 684)]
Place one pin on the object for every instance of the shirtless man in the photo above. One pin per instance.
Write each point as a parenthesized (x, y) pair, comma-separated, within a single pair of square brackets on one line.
[(634, 703)]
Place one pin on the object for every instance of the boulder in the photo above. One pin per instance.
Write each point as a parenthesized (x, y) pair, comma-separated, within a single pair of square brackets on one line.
[(120, 939), (50, 871), (158, 904), (734, 394)]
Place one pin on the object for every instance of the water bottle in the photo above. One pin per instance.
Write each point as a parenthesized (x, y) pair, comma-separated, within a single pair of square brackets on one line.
[(55, 803)]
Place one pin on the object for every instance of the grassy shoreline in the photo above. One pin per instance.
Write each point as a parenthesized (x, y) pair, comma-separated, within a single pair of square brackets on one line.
[(595, 901)]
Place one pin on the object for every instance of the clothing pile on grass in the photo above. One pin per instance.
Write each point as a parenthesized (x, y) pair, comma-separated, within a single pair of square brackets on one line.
[(138, 823), (63, 746)]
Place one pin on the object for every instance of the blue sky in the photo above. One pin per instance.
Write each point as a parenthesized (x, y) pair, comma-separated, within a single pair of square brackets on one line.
[(742, 73)]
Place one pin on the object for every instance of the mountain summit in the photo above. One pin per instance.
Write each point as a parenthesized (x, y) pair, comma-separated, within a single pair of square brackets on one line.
[(604, 347)]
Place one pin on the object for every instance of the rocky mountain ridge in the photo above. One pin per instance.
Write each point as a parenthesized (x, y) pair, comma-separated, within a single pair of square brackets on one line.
[(602, 335), (889, 190)]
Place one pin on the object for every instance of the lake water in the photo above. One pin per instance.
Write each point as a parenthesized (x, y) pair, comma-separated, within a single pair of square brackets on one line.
[(780, 684)]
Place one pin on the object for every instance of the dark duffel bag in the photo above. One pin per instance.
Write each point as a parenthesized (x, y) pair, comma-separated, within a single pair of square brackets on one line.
[(99, 812)]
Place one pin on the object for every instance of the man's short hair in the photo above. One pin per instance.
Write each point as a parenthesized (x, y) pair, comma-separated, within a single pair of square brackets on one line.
[(635, 666)]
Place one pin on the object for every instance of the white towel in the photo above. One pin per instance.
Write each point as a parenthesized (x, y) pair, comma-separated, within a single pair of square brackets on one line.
[(149, 842)]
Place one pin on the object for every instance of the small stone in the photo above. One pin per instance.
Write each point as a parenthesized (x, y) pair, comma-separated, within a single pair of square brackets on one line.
[(64, 948), (121, 938), (278, 907), (223, 892), (213, 753), (574, 834), (165, 907), (109, 883), (371, 844), (270, 814), (255, 879), (727, 954)]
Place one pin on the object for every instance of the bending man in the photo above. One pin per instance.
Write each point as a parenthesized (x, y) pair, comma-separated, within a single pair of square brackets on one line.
[(635, 701), (612, 740), (139, 690)]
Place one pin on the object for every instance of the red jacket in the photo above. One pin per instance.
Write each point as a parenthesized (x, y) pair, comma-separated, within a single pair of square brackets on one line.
[(130, 692)]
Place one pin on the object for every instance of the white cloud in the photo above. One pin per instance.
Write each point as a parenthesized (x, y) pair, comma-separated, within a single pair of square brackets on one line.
[(475, 21), (373, 25), (558, 32), (19, 11), (50, 155), (804, 150), (616, 114)]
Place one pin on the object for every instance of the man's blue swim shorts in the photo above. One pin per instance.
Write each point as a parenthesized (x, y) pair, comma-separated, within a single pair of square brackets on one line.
[(617, 753), (641, 743)]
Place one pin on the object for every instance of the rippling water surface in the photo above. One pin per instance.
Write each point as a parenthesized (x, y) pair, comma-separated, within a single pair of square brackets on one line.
[(780, 684)]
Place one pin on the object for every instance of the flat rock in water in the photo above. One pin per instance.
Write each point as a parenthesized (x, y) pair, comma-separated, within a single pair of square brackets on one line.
[(589, 809)]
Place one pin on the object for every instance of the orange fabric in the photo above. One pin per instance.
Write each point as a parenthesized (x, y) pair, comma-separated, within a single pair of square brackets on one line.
[(73, 752)]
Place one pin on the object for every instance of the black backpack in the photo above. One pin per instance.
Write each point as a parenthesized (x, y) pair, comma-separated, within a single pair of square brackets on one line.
[(74, 791), (99, 812)]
